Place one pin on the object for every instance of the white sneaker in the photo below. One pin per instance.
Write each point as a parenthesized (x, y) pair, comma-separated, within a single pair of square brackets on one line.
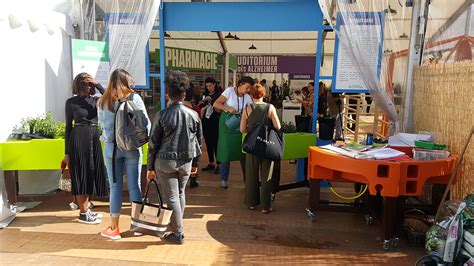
[(94, 214), (73, 206), (86, 218), (223, 184)]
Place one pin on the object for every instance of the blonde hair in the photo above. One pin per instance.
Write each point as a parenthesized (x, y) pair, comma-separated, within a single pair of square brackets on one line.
[(119, 87)]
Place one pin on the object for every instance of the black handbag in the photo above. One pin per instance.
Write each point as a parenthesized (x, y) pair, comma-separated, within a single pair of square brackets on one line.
[(264, 141)]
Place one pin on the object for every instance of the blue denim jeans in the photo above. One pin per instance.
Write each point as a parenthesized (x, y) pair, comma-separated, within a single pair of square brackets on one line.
[(127, 163), (224, 171)]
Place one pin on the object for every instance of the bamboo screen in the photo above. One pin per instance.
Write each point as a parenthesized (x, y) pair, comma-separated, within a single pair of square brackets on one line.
[(444, 104)]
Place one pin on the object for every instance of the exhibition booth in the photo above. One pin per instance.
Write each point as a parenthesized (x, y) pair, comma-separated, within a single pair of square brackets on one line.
[(410, 158)]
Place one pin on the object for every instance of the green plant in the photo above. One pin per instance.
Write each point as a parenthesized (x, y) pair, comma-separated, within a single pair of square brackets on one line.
[(60, 130), (30, 124), (288, 127), (42, 125), (46, 126)]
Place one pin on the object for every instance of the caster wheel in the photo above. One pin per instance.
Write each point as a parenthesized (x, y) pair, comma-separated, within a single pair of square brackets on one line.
[(386, 245), (395, 242), (369, 219), (311, 215), (273, 196)]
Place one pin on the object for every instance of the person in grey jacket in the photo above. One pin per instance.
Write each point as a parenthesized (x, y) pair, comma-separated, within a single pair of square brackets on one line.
[(175, 141)]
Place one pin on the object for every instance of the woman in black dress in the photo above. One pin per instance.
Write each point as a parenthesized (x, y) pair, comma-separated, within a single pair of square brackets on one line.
[(83, 151), (210, 122)]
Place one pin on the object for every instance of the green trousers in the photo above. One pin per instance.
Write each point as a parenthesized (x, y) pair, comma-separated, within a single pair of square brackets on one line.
[(258, 169)]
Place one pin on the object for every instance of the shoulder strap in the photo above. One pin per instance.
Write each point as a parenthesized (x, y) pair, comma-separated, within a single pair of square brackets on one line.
[(130, 97), (114, 153), (251, 107), (265, 113)]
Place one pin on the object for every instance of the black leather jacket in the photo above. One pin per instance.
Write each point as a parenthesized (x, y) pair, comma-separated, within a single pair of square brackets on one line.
[(175, 135)]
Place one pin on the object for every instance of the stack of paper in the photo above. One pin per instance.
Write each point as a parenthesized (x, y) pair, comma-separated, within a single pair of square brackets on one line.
[(378, 154), (407, 139), (384, 153)]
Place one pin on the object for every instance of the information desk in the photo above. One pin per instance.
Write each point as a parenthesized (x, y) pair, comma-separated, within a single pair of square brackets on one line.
[(390, 179), (37, 154)]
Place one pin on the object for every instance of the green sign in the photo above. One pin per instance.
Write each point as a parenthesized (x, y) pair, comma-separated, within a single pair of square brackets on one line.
[(232, 62), (186, 59), (90, 50)]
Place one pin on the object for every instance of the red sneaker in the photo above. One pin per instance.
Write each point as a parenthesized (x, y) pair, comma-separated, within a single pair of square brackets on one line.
[(112, 234)]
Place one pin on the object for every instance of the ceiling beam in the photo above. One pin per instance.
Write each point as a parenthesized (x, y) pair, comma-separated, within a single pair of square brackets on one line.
[(451, 20), (263, 40), (221, 40)]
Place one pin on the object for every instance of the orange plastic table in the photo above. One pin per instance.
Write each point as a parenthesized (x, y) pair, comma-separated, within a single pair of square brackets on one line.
[(390, 179)]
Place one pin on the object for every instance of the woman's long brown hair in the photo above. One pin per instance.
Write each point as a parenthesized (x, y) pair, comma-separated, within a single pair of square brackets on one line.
[(119, 87)]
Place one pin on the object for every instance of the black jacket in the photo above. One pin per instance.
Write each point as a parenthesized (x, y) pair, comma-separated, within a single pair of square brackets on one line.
[(175, 135)]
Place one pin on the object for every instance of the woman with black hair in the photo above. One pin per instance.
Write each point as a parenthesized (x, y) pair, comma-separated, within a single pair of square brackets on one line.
[(210, 122), (83, 152), (232, 101), (175, 141)]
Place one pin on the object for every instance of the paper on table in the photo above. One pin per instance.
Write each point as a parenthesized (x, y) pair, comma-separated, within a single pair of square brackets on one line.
[(382, 153), (407, 139), (342, 151)]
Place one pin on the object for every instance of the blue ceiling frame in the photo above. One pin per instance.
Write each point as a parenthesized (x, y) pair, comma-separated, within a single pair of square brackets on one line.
[(288, 15)]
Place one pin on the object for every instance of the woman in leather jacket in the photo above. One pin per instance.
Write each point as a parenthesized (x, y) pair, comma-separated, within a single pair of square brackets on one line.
[(175, 141)]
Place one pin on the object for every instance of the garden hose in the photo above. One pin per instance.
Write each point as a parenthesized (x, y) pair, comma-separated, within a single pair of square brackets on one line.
[(361, 192)]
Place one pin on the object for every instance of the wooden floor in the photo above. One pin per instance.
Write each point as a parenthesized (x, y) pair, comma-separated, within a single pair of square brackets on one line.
[(219, 229)]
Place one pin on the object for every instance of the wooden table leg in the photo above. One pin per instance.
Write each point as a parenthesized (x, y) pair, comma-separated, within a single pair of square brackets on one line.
[(389, 222), (314, 194), (313, 199), (11, 185)]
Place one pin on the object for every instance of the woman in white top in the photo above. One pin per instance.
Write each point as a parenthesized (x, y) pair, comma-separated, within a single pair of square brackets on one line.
[(232, 101)]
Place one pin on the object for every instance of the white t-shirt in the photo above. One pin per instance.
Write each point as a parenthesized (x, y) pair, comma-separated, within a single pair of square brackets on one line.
[(234, 101)]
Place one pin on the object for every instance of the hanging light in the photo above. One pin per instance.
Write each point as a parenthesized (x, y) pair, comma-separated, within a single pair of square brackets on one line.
[(390, 11), (252, 47), (167, 35), (14, 21), (229, 36), (403, 36), (236, 37)]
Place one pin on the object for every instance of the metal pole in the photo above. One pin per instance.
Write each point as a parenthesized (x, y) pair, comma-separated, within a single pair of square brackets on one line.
[(468, 19), (319, 55), (417, 38), (162, 59), (226, 71)]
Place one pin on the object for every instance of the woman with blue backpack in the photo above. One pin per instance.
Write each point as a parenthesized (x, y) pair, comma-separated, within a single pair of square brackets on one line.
[(122, 149)]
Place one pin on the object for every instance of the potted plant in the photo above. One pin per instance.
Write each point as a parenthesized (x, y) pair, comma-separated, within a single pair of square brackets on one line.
[(39, 127)]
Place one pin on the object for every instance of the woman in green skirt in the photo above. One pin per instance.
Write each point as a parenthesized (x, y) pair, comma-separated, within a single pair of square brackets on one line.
[(229, 146)]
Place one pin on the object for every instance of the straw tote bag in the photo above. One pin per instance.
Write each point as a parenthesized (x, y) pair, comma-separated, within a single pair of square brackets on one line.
[(149, 218)]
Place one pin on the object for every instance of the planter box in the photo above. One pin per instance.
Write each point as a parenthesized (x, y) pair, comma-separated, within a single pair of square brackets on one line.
[(36, 154), (296, 145)]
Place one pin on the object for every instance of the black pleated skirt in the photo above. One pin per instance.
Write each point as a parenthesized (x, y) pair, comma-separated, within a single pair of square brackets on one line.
[(86, 162)]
